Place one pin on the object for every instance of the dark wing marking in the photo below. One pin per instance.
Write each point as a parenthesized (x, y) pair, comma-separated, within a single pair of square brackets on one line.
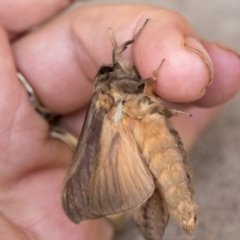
[(74, 195), (152, 217), (121, 180)]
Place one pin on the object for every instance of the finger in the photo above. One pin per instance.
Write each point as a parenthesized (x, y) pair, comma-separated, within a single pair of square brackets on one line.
[(24, 141), (226, 82), (19, 16), (62, 58)]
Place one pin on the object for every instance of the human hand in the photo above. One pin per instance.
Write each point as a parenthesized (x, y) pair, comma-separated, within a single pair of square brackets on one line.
[(60, 60)]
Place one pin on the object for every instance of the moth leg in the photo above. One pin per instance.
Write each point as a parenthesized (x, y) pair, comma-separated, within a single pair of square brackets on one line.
[(118, 50), (173, 112), (150, 82), (149, 86)]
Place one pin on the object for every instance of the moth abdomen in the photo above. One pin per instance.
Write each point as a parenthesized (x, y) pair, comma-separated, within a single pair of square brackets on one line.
[(168, 164), (163, 152)]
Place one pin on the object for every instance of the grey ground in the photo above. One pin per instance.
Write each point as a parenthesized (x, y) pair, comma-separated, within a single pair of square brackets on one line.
[(216, 156)]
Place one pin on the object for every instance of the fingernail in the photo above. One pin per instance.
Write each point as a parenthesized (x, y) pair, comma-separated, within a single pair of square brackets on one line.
[(192, 44)]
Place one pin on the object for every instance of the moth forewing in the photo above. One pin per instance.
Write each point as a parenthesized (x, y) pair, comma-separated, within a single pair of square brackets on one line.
[(74, 194)]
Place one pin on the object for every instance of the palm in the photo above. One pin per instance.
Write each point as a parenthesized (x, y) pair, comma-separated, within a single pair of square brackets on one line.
[(32, 165)]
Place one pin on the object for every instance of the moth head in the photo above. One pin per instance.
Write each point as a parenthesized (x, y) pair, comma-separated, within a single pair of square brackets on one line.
[(118, 78), (105, 69), (102, 76)]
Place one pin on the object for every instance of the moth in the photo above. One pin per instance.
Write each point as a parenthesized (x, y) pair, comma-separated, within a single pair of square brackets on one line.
[(129, 157)]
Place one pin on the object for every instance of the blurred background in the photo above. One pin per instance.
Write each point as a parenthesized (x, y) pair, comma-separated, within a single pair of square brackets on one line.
[(216, 155)]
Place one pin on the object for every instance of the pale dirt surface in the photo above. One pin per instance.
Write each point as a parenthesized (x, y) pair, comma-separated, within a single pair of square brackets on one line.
[(216, 156)]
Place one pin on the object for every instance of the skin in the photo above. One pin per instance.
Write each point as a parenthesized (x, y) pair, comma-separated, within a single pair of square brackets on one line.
[(60, 59)]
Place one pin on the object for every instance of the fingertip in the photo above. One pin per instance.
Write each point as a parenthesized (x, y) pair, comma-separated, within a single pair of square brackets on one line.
[(226, 82), (193, 45), (187, 69)]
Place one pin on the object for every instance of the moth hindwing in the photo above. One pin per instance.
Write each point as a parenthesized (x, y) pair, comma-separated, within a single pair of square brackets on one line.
[(129, 157)]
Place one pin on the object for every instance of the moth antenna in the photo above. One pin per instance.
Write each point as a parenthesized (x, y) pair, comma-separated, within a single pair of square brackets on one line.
[(122, 47), (114, 44), (118, 50), (173, 112), (139, 31)]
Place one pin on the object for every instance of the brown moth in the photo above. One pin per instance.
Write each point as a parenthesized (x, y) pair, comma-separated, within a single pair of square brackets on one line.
[(129, 157)]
